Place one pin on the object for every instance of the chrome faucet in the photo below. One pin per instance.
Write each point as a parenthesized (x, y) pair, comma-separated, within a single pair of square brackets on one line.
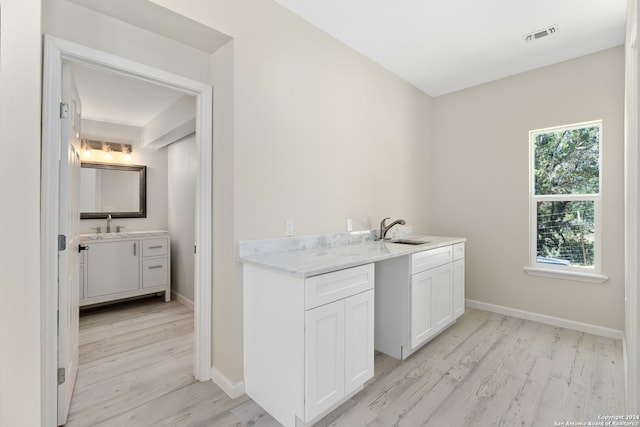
[(109, 223), (385, 228)]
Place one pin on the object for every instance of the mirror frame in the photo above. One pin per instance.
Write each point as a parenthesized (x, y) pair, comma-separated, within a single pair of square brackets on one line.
[(142, 213)]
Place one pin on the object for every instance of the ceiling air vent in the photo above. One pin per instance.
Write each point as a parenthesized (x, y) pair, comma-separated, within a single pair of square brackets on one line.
[(552, 29)]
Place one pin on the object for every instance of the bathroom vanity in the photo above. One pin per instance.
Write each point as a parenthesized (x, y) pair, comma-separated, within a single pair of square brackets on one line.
[(124, 265)]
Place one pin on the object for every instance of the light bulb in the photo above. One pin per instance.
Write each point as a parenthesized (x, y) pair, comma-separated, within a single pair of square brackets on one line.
[(107, 155), (127, 157), (87, 154)]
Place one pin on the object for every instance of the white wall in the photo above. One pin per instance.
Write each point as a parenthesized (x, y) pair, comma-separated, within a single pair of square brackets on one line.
[(479, 182), (20, 290), (156, 162), (182, 167)]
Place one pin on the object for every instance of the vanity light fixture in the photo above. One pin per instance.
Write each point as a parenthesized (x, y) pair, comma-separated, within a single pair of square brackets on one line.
[(86, 150), (109, 149), (107, 152), (127, 153)]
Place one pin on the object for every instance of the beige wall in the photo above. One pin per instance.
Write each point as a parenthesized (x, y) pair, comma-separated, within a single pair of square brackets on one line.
[(20, 293), (479, 182), (226, 293), (78, 24), (321, 134)]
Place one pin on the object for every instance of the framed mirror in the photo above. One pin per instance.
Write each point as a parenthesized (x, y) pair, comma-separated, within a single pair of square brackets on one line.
[(119, 190)]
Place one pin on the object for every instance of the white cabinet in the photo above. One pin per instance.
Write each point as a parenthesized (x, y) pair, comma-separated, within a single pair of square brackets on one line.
[(308, 341), (324, 357), (417, 296), (359, 355), (431, 303), (112, 267), (116, 268), (338, 351)]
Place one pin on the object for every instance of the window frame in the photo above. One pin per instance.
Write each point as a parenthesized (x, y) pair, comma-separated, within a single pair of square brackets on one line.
[(572, 272)]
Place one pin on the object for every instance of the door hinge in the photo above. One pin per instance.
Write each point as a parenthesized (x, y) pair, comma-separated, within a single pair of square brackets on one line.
[(62, 242), (195, 249), (62, 373), (64, 110)]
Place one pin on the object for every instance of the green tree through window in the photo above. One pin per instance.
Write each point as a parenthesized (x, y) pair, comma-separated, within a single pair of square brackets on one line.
[(566, 178)]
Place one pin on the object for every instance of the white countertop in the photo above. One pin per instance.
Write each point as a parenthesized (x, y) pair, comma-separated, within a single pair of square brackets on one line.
[(123, 235), (320, 260)]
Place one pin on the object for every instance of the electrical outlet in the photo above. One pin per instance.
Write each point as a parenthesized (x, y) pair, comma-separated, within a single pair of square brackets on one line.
[(288, 228), (349, 225)]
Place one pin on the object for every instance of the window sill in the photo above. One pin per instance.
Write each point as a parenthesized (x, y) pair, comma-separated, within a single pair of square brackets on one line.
[(565, 275)]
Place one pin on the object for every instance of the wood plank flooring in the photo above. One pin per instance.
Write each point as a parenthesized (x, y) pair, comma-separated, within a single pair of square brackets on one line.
[(136, 364)]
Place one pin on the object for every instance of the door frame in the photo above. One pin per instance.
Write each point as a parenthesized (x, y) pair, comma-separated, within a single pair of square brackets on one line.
[(57, 51)]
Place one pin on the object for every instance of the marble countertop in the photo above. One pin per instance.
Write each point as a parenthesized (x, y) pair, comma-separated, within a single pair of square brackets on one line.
[(312, 261), (123, 235)]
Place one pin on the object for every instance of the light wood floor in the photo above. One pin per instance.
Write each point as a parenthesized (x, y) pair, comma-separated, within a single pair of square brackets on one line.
[(136, 364)]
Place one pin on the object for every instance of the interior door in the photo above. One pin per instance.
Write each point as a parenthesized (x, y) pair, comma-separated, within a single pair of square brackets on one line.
[(69, 253)]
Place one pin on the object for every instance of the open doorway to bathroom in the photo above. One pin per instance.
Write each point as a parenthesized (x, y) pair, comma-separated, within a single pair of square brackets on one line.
[(57, 52)]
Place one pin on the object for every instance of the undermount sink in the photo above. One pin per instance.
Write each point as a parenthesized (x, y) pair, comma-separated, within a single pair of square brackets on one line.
[(408, 241)]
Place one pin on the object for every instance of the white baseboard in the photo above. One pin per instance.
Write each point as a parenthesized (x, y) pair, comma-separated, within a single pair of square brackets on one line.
[(549, 320), (232, 390), (182, 300)]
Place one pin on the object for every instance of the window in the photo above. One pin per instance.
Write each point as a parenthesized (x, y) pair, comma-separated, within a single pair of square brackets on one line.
[(565, 198)]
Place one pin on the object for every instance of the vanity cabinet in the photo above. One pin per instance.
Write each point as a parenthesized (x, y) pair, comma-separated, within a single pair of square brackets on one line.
[(112, 268), (417, 296), (309, 342), (123, 266)]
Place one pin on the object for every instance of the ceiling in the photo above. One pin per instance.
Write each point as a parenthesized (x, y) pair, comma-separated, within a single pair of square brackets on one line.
[(110, 97), (442, 46), (438, 46)]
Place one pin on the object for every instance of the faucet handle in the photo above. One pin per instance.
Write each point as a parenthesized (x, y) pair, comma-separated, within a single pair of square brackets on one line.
[(119, 228), (98, 229)]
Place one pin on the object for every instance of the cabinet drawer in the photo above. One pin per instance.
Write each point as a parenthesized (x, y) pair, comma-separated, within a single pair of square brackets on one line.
[(154, 247), (458, 251), (155, 272), (432, 258), (336, 285)]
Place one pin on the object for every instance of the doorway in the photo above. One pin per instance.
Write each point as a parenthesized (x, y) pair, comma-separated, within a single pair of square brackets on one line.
[(57, 52)]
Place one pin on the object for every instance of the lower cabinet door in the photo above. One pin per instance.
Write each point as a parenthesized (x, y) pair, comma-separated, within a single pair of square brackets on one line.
[(421, 327), (431, 303), (442, 297), (112, 267), (359, 321), (324, 357)]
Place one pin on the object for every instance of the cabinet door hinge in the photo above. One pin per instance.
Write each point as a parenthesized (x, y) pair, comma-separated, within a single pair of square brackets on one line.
[(61, 375), (64, 110), (62, 242), (195, 249)]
